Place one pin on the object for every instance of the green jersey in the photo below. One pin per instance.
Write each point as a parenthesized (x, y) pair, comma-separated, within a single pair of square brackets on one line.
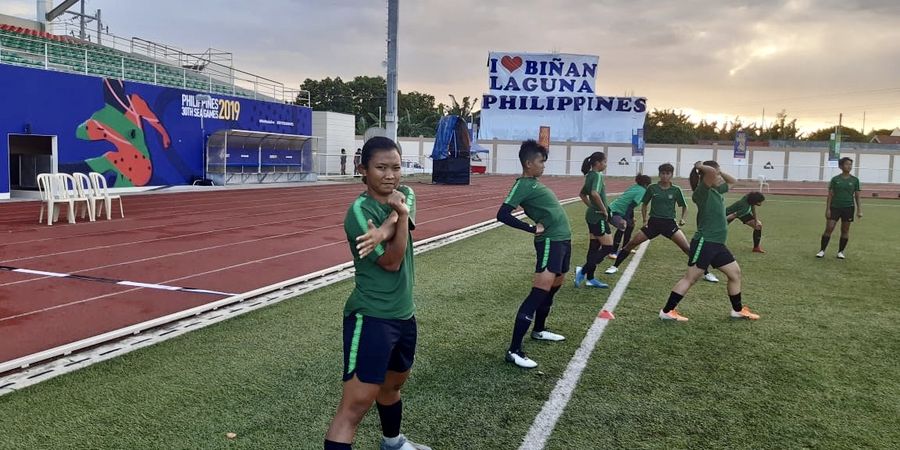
[(711, 223), (593, 181), (378, 292), (628, 200), (541, 206), (662, 201), (843, 190), (741, 208)]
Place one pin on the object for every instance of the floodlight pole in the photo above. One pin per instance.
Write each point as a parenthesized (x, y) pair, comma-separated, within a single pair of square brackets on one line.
[(203, 98), (391, 113)]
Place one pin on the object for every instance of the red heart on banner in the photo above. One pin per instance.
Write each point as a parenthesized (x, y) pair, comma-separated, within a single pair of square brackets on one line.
[(511, 64)]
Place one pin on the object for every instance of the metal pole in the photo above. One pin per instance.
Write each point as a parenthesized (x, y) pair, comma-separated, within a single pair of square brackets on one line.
[(81, 19), (864, 124), (391, 113), (99, 27)]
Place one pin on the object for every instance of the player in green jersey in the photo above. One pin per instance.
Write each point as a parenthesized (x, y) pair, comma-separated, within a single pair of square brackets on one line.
[(843, 192), (661, 198), (745, 211), (552, 245), (593, 194), (708, 246), (622, 209), (379, 317)]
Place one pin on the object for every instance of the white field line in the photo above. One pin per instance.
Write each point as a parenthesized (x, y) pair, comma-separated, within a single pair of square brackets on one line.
[(553, 409)]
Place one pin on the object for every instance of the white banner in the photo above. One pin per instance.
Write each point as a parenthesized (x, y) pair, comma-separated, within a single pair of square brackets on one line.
[(530, 90), (541, 74), (580, 119)]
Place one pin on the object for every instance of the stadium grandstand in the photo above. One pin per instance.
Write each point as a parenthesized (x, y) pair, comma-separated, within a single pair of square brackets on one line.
[(182, 101)]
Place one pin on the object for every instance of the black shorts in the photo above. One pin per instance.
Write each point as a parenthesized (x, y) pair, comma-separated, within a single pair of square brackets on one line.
[(553, 256), (372, 346), (600, 228), (745, 218), (704, 254), (844, 214), (621, 222), (656, 226)]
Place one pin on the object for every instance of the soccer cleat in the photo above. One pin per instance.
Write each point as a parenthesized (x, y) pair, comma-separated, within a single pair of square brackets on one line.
[(758, 250), (744, 313), (404, 444), (840, 255), (547, 336), (595, 283), (611, 270), (579, 276), (520, 359), (710, 277), (613, 256), (821, 254), (672, 315)]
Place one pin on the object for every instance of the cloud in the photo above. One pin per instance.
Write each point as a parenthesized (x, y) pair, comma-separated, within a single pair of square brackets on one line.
[(731, 58)]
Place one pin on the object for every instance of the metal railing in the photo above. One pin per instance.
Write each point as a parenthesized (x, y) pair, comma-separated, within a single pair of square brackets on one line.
[(109, 61)]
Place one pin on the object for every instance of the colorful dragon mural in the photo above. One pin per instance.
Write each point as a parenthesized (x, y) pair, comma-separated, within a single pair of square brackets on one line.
[(120, 123)]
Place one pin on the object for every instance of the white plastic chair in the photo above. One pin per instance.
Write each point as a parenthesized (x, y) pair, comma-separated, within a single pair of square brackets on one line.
[(763, 183), (86, 188), (102, 191), (46, 183), (72, 196)]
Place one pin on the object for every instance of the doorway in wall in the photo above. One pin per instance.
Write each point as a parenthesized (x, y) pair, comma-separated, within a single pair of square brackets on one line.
[(29, 155)]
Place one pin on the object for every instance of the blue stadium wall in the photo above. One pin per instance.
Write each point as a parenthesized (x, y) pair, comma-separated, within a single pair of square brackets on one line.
[(136, 134)]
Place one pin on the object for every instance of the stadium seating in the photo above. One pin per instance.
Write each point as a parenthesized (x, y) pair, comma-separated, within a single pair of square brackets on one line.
[(30, 48)]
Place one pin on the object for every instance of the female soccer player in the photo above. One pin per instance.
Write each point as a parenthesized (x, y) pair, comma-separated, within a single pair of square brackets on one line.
[(552, 243), (593, 194), (622, 210), (662, 198), (745, 211), (379, 317), (708, 246), (843, 191)]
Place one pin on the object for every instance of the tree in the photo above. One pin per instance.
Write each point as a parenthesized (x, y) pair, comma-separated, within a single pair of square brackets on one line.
[(365, 97), (329, 95), (847, 135), (668, 127), (418, 114), (707, 131), (781, 129)]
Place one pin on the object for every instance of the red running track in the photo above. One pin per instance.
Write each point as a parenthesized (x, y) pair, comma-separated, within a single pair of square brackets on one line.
[(230, 241)]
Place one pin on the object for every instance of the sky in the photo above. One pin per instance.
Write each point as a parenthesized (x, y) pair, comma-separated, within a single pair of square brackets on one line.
[(713, 60)]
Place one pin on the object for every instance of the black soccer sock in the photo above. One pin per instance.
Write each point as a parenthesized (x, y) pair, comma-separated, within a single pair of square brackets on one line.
[(617, 239), (591, 266), (525, 316), (621, 257), (331, 445), (390, 416), (825, 240), (736, 301), (626, 237), (540, 316), (842, 244), (674, 298), (757, 236), (593, 246)]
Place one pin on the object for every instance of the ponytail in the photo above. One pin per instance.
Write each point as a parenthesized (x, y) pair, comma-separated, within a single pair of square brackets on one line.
[(695, 178), (696, 174), (589, 162)]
